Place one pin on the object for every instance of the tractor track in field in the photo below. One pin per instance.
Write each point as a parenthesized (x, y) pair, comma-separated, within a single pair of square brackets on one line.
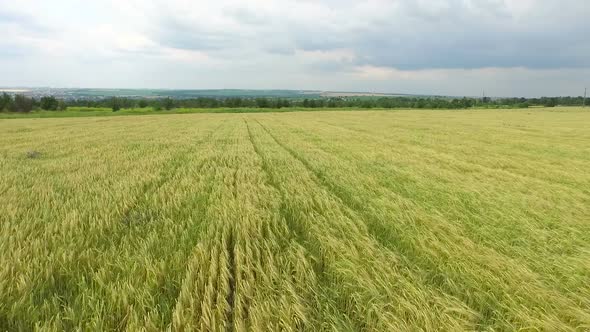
[(319, 260), (386, 236), (390, 186), (176, 161), (299, 233), (354, 209)]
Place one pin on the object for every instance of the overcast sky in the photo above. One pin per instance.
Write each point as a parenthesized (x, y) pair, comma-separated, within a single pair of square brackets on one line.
[(453, 47)]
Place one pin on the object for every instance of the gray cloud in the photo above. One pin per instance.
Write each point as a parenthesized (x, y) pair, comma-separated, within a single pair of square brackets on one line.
[(178, 34), (462, 37), (326, 44), (406, 34)]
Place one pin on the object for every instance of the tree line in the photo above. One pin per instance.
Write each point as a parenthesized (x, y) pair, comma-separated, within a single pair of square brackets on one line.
[(336, 102), (21, 103)]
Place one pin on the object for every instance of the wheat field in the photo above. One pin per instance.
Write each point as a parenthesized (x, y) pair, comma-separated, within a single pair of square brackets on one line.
[(324, 221)]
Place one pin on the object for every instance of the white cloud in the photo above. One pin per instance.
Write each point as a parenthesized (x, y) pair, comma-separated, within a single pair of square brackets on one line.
[(434, 46)]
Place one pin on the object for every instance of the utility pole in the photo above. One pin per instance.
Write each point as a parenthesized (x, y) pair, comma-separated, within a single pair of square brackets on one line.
[(584, 102)]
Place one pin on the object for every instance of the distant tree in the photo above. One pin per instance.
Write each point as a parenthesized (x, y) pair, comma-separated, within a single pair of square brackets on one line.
[(61, 105), (262, 102), (234, 102), (421, 103), (278, 103), (551, 102), (22, 103), (49, 103), (127, 103), (5, 101), (366, 103), (115, 104), (142, 103), (168, 103)]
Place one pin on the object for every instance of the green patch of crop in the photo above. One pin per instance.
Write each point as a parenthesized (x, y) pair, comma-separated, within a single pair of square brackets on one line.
[(263, 220)]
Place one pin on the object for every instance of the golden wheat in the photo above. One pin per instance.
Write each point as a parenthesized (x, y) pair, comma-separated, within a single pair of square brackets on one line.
[(359, 221)]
